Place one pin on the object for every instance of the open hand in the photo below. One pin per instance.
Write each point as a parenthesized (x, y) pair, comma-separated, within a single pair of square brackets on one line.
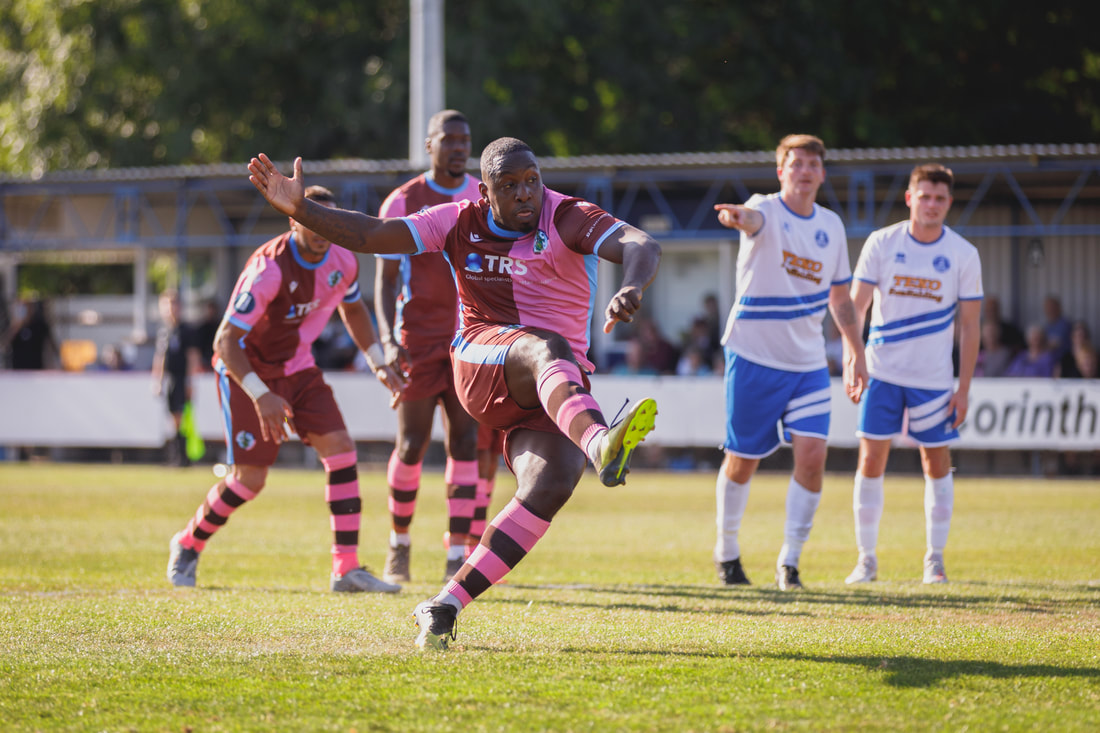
[(285, 194)]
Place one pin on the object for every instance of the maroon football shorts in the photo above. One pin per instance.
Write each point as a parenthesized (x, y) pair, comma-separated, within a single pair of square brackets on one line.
[(478, 354), (311, 398)]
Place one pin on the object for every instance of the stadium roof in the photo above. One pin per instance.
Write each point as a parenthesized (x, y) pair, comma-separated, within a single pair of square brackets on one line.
[(733, 159)]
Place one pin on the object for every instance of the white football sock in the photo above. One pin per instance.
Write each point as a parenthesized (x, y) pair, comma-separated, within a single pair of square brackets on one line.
[(801, 507), (731, 498), (867, 502), (939, 503)]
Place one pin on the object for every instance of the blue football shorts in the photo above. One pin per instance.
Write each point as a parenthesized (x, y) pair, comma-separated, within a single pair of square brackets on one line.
[(889, 409), (765, 406)]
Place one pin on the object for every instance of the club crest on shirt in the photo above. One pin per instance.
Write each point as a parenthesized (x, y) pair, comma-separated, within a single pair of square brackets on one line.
[(334, 277), (821, 238), (245, 440), (244, 302), (541, 242), (941, 263)]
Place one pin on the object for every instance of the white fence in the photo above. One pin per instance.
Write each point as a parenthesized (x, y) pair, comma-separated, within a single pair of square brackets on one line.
[(118, 409)]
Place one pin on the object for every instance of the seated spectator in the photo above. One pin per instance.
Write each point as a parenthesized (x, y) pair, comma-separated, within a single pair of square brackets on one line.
[(1080, 362), (657, 351), (994, 356), (693, 363), (110, 360), (698, 337), (634, 363), (1057, 326), (1037, 361), (1011, 335), (712, 315)]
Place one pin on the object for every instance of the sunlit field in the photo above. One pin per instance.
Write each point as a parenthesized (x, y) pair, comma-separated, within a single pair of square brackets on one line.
[(614, 622)]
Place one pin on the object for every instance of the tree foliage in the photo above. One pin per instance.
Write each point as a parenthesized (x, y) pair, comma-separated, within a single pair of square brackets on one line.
[(118, 83)]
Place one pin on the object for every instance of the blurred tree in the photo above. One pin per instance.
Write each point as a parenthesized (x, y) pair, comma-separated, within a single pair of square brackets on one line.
[(151, 82)]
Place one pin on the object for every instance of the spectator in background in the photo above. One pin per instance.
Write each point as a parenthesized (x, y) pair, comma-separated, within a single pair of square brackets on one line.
[(657, 351), (1038, 360), (995, 355), (204, 334), (634, 363), (1080, 362), (1011, 335), (1057, 327), (175, 359), (693, 363), (698, 338), (712, 316), (110, 360), (30, 337)]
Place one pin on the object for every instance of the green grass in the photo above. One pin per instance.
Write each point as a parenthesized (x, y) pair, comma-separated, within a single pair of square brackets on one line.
[(614, 622)]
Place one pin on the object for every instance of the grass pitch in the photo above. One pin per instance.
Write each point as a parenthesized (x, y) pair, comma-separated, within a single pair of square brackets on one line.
[(614, 622)]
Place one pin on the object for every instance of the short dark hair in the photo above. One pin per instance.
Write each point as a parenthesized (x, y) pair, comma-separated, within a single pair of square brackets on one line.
[(495, 153), (321, 195), (441, 118), (933, 172)]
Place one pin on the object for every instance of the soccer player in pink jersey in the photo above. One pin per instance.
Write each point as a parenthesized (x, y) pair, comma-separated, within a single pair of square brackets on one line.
[(525, 258), (416, 305), (269, 387)]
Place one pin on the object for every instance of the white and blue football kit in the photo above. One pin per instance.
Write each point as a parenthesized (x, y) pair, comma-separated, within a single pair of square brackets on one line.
[(776, 369), (918, 287)]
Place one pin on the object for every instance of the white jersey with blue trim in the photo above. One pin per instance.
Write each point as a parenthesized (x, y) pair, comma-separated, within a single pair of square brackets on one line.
[(917, 290), (784, 274)]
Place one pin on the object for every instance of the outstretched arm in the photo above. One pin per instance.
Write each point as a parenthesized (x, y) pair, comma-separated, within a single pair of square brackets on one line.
[(349, 229), (640, 255), (736, 216)]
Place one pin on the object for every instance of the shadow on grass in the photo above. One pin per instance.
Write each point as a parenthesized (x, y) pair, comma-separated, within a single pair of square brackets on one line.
[(915, 672), (1012, 599)]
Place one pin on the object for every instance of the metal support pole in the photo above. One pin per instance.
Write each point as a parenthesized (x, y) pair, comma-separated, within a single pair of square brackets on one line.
[(426, 73)]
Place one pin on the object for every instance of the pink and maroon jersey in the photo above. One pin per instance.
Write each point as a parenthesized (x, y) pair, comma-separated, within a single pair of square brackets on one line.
[(283, 302), (428, 300), (545, 278)]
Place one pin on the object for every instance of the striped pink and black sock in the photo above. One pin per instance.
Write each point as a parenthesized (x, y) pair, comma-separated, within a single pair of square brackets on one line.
[(461, 479), (481, 512), (404, 481), (224, 498), (510, 536), (572, 407), (345, 507)]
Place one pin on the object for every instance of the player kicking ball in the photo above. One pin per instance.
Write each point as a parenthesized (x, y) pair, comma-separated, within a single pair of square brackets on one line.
[(525, 261)]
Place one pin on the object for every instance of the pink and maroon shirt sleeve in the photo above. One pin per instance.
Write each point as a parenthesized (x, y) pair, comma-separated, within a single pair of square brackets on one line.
[(283, 302)]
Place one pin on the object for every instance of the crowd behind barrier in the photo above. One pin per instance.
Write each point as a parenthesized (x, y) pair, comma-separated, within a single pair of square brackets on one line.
[(1035, 391)]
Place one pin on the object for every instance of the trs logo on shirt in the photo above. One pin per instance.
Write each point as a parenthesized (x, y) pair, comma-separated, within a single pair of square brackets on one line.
[(301, 310), (495, 264), (803, 267)]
